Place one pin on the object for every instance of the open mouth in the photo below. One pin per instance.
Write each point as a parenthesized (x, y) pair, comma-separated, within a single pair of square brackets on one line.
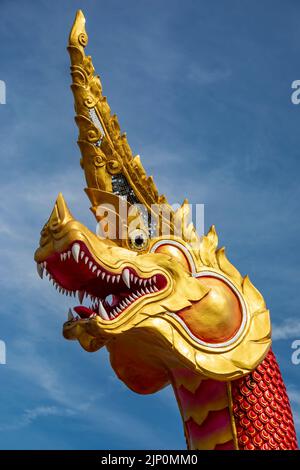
[(75, 272)]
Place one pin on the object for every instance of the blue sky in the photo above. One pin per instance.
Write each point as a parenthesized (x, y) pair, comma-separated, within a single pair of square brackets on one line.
[(203, 90)]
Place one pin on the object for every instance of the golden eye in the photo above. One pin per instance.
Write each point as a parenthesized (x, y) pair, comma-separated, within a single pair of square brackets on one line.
[(138, 240)]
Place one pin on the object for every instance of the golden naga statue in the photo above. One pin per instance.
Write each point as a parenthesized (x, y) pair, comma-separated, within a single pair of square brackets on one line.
[(167, 304)]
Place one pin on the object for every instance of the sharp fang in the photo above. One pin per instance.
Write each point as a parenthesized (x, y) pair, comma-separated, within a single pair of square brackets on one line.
[(102, 312), (118, 277), (140, 281), (80, 294), (154, 279), (98, 273), (151, 290), (113, 279), (127, 301), (103, 275), (86, 259), (155, 289), (136, 279), (131, 277), (69, 254), (145, 282), (107, 277), (143, 292), (94, 268), (70, 315), (113, 314), (40, 270), (126, 277), (147, 291), (135, 296), (118, 310), (90, 264), (76, 251), (131, 298), (81, 254), (65, 256)]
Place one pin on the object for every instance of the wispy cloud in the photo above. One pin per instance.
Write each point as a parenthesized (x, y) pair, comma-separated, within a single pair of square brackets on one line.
[(288, 329)]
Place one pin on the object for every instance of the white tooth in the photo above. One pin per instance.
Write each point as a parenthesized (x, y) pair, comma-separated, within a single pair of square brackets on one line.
[(81, 254), (40, 270), (103, 275), (94, 268), (135, 296), (112, 314), (154, 279), (59, 289), (118, 310), (80, 294), (93, 315), (76, 251), (145, 282), (136, 279), (69, 254), (127, 301), (63, 291), (126, 277), (151, 290), (147, 291), (98, 273), (61, 257), (155, 289), (90, 264), (131, 298), (138, 294), (131, 277), (107, 277), (113, 279), (86, 259), (140, 281), (150, 281), (142, 291), (70, 315), (103, 312), (118, 277), (56, 286), (65, 256), (123, 304)]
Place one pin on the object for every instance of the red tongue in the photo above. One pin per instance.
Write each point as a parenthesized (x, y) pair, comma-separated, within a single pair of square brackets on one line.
[(83, 312)]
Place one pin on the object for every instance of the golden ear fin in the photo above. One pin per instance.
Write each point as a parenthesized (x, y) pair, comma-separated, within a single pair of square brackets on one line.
[(107, 159)]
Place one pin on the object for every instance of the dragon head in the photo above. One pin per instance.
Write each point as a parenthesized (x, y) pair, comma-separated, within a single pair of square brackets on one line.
[(157, 301)]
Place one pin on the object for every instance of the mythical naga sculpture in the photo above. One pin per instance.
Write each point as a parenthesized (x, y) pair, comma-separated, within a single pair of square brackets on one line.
[(170, 309)]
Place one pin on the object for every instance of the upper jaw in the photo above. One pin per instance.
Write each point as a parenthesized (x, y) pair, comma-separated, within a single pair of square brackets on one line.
[(112, 290)]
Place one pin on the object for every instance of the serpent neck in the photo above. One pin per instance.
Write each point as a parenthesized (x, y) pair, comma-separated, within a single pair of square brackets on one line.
[(206, 410)]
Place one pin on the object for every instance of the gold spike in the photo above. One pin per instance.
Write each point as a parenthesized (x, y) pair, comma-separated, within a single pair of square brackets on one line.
[(227, 267), (105, 150), (60, 214), (254, 296)]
